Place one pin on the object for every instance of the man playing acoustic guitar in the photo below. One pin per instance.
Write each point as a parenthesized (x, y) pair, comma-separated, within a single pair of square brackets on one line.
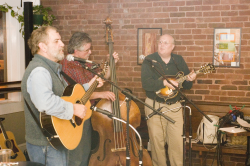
[(42, 86), (161, 131)]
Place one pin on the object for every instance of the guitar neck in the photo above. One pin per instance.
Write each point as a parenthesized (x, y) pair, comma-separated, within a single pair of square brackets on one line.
[(87, 95), (91, 89), (3, 130)]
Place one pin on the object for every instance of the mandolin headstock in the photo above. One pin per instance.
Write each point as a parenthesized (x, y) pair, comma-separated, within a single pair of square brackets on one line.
[(208, 68)]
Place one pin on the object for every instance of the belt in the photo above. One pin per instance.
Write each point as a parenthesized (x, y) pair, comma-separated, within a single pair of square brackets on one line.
[(168, 103)]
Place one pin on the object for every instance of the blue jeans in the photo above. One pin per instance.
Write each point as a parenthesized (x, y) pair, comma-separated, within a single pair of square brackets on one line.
[(53, 157)]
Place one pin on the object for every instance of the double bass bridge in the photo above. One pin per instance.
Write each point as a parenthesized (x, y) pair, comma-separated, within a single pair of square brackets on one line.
[(118, 149)]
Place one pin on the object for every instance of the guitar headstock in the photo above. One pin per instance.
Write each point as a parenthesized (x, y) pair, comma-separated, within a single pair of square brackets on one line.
[(207, 68)]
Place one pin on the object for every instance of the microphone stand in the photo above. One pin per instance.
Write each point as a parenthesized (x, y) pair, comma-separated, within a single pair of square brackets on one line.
[(126, 93), (184, 119), (110, 115), (129, 97), (140, 153), (190, 136), (184, 134)]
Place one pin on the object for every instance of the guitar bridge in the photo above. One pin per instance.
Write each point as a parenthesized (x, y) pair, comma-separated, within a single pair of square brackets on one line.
[(14, 156), (73, 123)]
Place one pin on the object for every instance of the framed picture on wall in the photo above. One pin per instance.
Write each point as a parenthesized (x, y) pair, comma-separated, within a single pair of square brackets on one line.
[(147, 42), (227, 43)]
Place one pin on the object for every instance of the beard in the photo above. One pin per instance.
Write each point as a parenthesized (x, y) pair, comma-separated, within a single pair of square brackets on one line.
[(59, 55)]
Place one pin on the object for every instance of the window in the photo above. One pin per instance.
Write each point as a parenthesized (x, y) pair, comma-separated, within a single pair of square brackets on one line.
[(14, 61), (2, 52)]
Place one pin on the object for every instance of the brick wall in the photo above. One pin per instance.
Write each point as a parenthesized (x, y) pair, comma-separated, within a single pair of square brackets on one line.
[(191, 23)]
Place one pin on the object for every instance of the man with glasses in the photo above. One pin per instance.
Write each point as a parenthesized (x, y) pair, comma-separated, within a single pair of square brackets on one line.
[(161, 131), (80, 47)]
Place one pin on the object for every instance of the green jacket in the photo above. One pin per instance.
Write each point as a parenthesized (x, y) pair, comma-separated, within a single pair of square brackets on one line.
[(150, 77), (33, 133)]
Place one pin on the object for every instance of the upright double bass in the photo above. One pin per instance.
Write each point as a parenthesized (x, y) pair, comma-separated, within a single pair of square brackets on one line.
[(111, 149)]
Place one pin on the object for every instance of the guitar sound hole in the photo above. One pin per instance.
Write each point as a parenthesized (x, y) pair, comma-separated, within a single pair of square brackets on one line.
[(77, 119), (8, 144)]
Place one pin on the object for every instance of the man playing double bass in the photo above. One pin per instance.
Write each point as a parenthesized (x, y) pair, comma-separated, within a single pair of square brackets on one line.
[(161, 131), (80, 47)]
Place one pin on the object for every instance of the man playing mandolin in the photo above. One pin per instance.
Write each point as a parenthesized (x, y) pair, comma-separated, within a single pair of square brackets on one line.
[(161, 131)]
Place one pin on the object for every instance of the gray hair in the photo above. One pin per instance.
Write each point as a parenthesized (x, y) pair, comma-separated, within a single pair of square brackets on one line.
[(77, 40), (37, 36)]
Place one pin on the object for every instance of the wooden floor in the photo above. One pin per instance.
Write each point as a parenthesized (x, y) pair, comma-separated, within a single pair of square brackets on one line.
[(199, 152)]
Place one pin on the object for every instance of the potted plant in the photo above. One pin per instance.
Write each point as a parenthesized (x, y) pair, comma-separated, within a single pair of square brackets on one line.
[(42, 12), (47, 19)]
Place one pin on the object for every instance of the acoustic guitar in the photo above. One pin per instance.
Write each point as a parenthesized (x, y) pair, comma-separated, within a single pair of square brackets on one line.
[(7, 141), (167, 93), (68, 133)]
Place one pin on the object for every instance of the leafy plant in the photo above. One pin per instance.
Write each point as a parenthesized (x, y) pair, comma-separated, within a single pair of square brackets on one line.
[(5, 8), (37, 9), (47, 18)]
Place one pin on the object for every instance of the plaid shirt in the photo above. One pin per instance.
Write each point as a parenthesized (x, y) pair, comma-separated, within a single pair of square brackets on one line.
[(75, 70)]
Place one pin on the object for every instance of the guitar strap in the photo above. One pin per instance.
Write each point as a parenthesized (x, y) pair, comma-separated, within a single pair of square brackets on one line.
[(44, 131), (68, 78)]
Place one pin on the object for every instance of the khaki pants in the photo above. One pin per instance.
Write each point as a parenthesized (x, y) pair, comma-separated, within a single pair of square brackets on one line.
[(162, 131)]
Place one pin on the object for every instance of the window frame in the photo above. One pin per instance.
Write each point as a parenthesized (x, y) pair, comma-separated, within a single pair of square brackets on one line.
[(15, 58)]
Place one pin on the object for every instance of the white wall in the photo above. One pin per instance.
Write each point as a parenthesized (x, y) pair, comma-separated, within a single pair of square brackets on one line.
[(15, 56)]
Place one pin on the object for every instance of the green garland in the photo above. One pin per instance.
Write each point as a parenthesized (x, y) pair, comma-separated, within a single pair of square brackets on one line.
[(38, 9)]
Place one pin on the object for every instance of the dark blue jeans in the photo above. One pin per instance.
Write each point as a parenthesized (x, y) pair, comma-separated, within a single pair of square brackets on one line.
[(80, 155), (53, 157)]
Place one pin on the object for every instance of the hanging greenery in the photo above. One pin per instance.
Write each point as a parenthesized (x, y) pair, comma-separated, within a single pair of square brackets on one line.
[(37, 10), (5, 8)]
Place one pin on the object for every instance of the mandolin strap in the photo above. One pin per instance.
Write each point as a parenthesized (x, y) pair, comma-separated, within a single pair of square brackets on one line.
[(175, 64)]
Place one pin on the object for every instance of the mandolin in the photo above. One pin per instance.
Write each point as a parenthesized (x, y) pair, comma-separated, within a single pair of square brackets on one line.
[(7, 141), (167, 93), (68, 133)]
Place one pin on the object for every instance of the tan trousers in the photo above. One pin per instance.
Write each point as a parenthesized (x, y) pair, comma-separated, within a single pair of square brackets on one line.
[(162, 131)]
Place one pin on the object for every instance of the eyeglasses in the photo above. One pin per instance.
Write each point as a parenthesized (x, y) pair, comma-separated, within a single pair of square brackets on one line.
[(164, 42)]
